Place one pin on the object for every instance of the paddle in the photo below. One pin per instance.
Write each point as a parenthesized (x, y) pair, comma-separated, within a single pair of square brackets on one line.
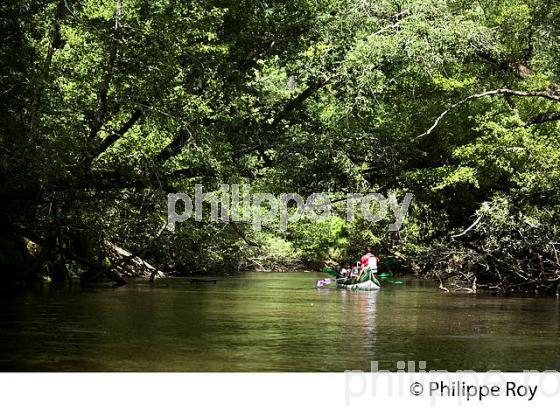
[(385, 275), (329, 271), (395, 282)]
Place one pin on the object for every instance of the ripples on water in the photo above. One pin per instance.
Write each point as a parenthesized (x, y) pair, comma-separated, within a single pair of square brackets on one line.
[(273, 322)]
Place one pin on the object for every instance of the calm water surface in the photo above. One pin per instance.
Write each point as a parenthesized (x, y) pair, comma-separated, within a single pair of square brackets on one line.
[(273, 322)]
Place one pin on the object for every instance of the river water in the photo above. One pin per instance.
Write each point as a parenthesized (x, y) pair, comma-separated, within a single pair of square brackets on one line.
[(273, 322)]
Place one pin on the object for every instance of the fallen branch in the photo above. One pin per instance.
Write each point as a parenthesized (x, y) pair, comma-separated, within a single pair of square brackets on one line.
[(441, 287), (469, 228), (135, 263)]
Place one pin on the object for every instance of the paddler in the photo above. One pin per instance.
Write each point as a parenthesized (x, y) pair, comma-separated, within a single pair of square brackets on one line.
[(368, 263)]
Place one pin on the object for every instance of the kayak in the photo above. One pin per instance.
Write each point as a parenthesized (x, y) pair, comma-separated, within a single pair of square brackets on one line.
[(367, 282)]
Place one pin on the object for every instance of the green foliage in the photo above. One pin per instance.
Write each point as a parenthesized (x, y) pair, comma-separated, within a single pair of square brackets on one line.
[(107, 106)]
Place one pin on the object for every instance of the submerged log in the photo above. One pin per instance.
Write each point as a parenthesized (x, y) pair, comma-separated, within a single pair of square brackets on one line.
[(204, 281)]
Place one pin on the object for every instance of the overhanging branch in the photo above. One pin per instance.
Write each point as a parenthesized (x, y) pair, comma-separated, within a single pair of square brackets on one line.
[(547, 94), (300, 99), (111, 139), (543, 117)]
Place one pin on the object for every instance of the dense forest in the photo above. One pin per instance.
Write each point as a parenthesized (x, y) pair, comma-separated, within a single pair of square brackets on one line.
[(107, 106)]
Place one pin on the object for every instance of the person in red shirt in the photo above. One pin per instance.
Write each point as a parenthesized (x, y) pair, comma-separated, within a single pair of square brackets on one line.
[(368, 261)]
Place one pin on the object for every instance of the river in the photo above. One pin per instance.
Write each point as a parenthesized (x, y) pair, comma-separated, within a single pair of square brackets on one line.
[(273, 322)]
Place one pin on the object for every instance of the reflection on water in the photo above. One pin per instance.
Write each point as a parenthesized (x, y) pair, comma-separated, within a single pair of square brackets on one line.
[(273, 322)]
